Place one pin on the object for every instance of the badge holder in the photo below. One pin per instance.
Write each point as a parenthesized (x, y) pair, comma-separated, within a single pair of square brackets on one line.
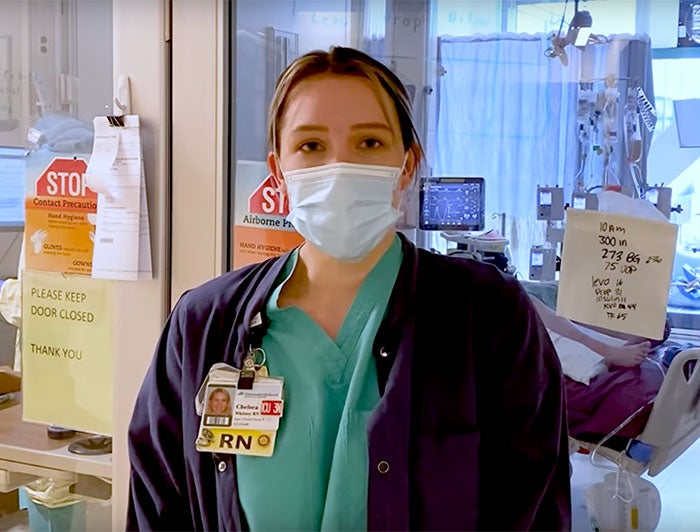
[(243, 408)]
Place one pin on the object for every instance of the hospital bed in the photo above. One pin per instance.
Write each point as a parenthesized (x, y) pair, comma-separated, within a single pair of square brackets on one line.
[(673, 424)]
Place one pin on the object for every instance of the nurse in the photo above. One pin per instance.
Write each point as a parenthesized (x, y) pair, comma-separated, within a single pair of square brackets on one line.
[(411, 380)]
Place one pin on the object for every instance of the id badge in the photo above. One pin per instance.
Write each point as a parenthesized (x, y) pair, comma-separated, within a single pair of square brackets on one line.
[(236, 421)]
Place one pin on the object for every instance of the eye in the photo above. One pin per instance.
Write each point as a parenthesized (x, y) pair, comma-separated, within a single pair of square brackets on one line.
[(310, 146), (371, 143)]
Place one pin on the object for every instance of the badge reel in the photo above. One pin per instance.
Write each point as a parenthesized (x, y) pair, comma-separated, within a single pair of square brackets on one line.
[(240, 409)]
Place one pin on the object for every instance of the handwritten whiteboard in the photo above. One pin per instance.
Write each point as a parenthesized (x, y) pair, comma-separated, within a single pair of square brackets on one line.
[(616, 271)]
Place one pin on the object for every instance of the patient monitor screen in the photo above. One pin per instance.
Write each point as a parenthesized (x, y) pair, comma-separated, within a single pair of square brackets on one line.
[(12, 170), (452, 203)]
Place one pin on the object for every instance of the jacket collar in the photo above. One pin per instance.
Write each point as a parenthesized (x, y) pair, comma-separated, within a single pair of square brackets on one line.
[(262, 283), (257, 292)]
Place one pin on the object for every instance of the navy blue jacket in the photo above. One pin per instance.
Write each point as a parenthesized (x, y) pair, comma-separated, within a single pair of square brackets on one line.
[(471, 420)]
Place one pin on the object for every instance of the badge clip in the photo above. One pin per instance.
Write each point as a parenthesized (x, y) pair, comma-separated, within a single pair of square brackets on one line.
[(247, 375), (251, 369)]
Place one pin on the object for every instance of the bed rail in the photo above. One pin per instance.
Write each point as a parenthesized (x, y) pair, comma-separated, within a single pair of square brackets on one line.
[(673, 424)]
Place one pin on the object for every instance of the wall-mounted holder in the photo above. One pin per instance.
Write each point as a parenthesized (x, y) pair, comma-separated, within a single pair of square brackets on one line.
[(122, 98)]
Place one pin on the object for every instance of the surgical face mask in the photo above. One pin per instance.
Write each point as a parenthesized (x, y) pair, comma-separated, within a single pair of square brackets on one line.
[(344, 209)]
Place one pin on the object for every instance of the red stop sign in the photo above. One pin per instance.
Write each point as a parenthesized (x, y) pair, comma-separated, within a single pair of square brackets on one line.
[(64, 178), (268, 198)]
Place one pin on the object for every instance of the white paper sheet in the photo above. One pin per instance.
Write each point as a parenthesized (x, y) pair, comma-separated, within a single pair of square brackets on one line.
[(122, 239), (104, 152), (616, 271)]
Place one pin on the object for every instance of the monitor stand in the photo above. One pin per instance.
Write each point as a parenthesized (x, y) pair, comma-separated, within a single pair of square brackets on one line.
[(487, 246)]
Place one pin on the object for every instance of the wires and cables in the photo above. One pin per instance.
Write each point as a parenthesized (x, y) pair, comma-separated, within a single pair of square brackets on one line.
[(563, 17), (559, 42), (612, 433)]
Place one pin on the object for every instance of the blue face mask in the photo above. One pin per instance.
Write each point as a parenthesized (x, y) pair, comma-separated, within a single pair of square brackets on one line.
[(344, 209)]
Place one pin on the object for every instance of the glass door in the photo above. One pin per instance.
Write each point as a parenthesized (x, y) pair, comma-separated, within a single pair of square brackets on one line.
[(58, 63)]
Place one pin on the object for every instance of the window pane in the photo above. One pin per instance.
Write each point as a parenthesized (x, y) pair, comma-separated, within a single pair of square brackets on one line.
[(679, 168), (269, 35), (468, 17), (55, 76), (609, 16), (553, 117)]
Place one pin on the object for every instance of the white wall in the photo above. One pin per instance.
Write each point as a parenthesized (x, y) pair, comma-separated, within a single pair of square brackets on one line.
[(139, 307), (198, 153)]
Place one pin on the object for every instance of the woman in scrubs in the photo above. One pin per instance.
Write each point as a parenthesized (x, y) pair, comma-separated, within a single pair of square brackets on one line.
[(398, 412)]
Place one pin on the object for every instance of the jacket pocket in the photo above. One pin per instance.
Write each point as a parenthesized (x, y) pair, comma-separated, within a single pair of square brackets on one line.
[(445, 482)]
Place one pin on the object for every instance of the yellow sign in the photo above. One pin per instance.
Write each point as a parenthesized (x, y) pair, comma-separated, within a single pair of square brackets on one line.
[(616, 271), (237, 441), (67, 352)]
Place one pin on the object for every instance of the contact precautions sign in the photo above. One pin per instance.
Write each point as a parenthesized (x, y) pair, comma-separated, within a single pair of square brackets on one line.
[(61, 213)]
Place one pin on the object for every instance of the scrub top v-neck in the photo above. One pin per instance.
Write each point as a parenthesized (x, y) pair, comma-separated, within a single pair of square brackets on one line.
[(317, 477)]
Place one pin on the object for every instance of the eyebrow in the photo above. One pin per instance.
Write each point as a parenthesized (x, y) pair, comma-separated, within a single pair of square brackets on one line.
[(364, 125)]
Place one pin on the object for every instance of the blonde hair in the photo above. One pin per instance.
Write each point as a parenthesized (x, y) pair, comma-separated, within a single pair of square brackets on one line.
[(350, 62), (220, 391)]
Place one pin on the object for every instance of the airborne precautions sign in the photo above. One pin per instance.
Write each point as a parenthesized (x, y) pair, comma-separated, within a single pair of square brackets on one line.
[(60, 213), (261, 229)]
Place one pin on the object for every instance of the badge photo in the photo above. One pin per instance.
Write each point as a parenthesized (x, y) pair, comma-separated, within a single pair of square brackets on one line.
[(219, 404)]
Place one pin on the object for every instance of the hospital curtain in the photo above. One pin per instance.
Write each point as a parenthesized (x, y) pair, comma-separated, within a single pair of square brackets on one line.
[(507, 113)]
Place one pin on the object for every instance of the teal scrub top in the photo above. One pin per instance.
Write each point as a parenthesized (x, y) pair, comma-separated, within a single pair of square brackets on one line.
[(317, 477)]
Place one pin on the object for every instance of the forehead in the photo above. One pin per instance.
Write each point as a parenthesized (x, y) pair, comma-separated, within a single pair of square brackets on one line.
[(325, 99)]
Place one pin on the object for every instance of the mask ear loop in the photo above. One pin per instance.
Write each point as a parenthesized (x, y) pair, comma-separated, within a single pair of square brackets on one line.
[(279, 165), (409, 191)]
